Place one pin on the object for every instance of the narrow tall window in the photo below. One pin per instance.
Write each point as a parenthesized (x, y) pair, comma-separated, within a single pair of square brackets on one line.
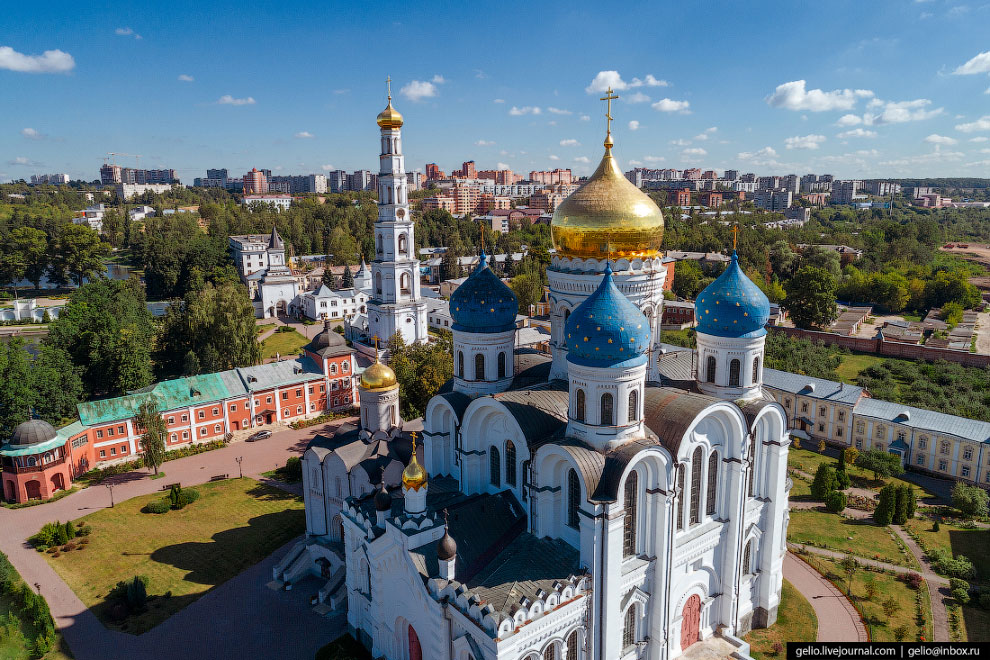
[(752, 462), (501, 365), (633, 406), (710, 369), (756, 370), (494, 467), (607, 417), (573, 499), (734, 373), (579, 413), (404, 283), (550, 653), (572, 646), (747, 558), (712, 490), (402, 244), (479, 366), (460, 363), (510, 463), (378, 247), (378, 283), (629, 522), (629, 628), (680, 497), (696, 485)]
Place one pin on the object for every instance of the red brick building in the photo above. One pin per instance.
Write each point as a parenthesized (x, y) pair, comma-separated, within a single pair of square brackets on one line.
[(711, 199), (679, 197)]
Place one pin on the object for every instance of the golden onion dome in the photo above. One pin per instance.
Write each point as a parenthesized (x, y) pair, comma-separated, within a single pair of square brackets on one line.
[(390, 117), (414, 476), (607, 216), (378, 377)]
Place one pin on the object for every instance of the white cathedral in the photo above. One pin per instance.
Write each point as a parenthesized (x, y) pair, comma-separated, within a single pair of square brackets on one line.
[(584, 506)]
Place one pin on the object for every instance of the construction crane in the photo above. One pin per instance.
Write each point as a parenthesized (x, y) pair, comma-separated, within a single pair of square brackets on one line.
[(136, 157)]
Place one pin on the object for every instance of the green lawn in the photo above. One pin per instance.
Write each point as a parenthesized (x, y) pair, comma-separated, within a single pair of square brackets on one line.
[(975, 624), (853, 363), (973, 543), (262, 327), (808, 461), (185, 553), (283, 343), (796, 622), (801, 489), (856, 537)]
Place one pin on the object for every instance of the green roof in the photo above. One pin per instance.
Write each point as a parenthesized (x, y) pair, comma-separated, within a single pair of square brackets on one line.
[(62, 436), (171, 394)]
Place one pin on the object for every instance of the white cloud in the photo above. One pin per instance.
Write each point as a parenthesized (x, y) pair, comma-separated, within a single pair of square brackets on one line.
[(635, 163), (185, 77), (438, 79), (32, 134), (981, 124), (525, 110), (502, 166), (127, 32), (558, 111), (417, 90), (987, 91), (935, 156), (633, 125), (654, 159), (694, 151), (978, 64), (21, 160), (897, 112), (979, 139), (668, 105), (765, 152), (849, 120), (570, 143), (499, 101), (637, 97), (707, 133), (304, 135), (680, 142), (227, 99), (328, 167), (857, 133), (552, 157), (51, 61), (582, 159), (605, 79), (485, 143), (793, 96), (804, 141), (935, 138), (479, 74), (985, 151), (585, 118)]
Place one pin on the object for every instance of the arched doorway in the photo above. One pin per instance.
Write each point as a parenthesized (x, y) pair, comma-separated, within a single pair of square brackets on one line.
[(11, 491), (337, 528), (58, 481), (415, 650), (33, 489), (690, 622)]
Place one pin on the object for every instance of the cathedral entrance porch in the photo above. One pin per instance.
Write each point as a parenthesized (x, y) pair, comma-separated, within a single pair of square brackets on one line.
[(691, 622), (713, 648)]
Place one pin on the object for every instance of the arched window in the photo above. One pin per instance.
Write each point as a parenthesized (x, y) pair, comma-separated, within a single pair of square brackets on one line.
[(712, 490), (460, 363), (510, 463), (747, 558), (403, 249), (607, 416), (479, 366), (756, 370), (393, 414), (378, 244), (633, 406), (629, 522), (680, 497), (579, 413), (734, 373), (752, 462), (629, 628), (501, 365), (404, 283), (572, 646), (494, 467), (710, 369), (696, 485), (367, 576), (573, 499), (378, 283), (550, 653)]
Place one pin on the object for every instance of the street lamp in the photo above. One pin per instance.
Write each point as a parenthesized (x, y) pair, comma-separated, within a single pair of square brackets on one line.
[(239, 469), (109, 485)]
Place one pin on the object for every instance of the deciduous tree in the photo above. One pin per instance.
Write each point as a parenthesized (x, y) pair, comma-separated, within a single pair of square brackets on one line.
[(811, 298), (150, 420)]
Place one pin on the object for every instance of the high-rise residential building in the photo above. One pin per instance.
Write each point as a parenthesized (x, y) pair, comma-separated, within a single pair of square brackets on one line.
[(773, 200), (467, 171), (731, 175), (792, 183), (692, 174), (503, 177), (255, 182), (110, 174), (52, 179), (883, 188), (361, 180), (845, 192), (709, 174), (549, 177), (748, 177), (768, 182), (295, 184), (414, 180), (220, 174), (433, 172), (336, 181)]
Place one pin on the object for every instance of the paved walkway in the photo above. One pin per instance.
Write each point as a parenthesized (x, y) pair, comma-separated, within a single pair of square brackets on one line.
[(838, 620), (238, 619), (937, 587)]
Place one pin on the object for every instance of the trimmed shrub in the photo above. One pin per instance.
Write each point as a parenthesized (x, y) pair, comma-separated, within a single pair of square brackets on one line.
[(293, 469), (961, 596), (958, 583), (842, 480), (913, 580), (157, 506), (959, 566), (901, 504), (835, 501), (824, 482), (884, 513), (70, 530), (188, 496), (970, 500)]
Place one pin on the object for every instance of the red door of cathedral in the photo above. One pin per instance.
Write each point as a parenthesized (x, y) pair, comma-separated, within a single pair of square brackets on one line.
[(690, 622), (415, 650)]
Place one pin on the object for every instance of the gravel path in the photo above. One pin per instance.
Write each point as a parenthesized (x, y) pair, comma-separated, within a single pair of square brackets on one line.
[(938, 588)]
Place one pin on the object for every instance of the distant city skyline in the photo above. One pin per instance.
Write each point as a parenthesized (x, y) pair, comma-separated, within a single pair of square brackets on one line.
[(887, 89)]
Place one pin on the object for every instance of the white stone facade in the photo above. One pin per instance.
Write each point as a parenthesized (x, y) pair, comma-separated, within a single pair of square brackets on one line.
[(730, 368), (483, 361)]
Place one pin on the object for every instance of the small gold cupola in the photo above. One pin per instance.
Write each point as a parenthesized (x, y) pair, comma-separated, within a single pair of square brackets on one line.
[(414, 476), (389, 118)]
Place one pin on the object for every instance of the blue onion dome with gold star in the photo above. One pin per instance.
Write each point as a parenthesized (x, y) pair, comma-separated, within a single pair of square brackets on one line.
[(732, 306), (607, 330), (483, 303)]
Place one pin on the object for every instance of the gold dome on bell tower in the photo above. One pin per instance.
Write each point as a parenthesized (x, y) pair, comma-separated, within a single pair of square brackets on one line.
[(608, 216), (389, 117)]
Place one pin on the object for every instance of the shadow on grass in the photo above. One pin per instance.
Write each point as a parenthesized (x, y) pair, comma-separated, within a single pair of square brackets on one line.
[(270, 493), (233, 550), (115, 616)]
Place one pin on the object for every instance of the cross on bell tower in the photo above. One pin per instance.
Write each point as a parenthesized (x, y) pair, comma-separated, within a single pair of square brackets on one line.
[(608, 98)]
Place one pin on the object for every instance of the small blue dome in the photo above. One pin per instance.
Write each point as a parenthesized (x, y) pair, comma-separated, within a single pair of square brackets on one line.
[(607, 329), (483, 303), (732, 306)]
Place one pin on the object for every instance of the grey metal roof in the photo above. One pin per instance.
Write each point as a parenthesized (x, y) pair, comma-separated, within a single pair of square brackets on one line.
[(668, 412), (458, 401), (275, 374), (928, 420), (540, 411), (826, 390)]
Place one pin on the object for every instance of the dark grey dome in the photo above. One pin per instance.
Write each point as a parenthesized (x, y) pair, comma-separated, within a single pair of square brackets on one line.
[(32, 432), (447, 547), (383, 500), (328, 337)]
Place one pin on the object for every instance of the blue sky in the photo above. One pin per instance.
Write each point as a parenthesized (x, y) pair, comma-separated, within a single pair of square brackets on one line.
[(898, 88)]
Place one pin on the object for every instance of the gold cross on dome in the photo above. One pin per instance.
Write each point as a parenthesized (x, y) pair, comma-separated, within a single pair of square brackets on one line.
[(412, 434), (608, 98), (735, 234), (388, 81), (374, 338)]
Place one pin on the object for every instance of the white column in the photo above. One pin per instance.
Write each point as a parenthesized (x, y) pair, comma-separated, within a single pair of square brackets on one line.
[(278, 407)]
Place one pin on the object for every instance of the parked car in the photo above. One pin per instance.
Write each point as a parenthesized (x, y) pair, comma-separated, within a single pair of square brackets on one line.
[(260, 435)]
